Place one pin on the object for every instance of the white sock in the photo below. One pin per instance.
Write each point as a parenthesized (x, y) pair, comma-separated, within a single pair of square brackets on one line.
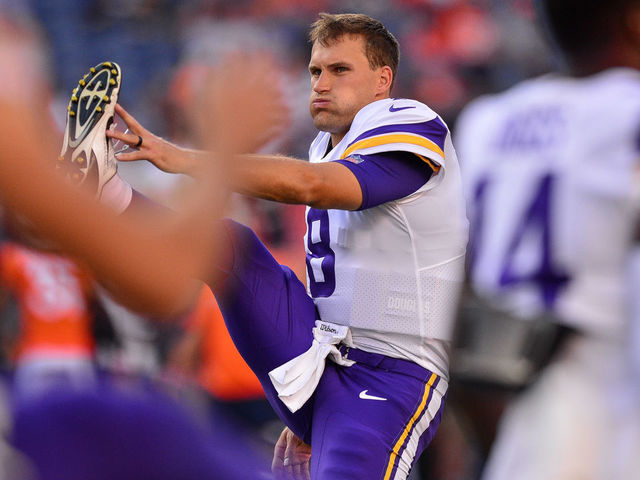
[(116, 194)]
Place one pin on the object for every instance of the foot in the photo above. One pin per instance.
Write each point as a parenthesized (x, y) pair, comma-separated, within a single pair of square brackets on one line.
[(87, 154)]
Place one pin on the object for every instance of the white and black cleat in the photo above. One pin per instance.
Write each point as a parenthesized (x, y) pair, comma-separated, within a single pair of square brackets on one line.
[(87, 154)]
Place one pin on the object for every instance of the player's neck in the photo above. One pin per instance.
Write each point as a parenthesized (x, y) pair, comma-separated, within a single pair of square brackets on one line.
[(336, 138)]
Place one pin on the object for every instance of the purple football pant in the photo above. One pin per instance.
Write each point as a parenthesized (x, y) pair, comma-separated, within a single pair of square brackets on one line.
[(368, 421)]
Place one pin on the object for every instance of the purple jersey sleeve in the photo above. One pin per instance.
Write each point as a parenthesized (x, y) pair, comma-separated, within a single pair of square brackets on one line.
[(387, 176)]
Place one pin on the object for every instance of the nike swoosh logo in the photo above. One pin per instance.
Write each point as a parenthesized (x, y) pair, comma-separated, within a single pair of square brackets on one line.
[(397, 109), (363, 395)]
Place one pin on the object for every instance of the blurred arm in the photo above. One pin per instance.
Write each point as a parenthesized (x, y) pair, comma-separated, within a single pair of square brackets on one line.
[(138, 255), (149, 261)]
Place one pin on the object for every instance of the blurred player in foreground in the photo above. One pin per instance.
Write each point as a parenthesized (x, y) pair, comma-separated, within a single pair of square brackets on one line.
[(384, 263), (551, 171), (106, 433)]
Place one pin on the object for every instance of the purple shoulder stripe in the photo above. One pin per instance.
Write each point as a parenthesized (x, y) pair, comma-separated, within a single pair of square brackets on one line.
[(435, 130)]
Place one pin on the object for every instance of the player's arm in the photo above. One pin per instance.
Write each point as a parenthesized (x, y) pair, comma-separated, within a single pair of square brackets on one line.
[(289, 180), (346, 184), (150, 260), (357, 182), (271, 177), (387, 176)]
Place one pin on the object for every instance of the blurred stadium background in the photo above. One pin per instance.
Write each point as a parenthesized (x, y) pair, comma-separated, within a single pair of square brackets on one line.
[(452, 50)]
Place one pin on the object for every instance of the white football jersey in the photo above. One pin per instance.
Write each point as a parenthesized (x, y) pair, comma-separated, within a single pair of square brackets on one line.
[(549, 169), (392, 273)]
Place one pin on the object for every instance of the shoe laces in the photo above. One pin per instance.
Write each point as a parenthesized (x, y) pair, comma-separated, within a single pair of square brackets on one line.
[(124, 147)]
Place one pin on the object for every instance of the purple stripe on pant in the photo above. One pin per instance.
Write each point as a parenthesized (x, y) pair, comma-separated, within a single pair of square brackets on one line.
[(357, 414)]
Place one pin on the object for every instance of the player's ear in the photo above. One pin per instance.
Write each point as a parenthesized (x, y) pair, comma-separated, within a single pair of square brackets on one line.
[(385, 79)]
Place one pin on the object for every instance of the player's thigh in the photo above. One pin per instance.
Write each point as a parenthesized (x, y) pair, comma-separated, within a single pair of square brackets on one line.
[(371, 424), (268, 314), (266, 308)]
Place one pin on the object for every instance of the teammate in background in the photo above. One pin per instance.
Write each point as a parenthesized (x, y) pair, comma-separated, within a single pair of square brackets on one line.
[(386, 237), (551, 174)]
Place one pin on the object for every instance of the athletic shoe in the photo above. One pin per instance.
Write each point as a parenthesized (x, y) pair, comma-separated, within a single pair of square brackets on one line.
[(87, 154)]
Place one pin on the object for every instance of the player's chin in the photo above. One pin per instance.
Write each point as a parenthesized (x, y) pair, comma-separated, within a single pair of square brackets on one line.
[(323, 121), (317, 112)]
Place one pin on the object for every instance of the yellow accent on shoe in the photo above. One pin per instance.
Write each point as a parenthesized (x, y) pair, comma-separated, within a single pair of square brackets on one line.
[(106, 98), (74, 98), (98, 109), (107, 64), (80, 161), (82, 83), (112, 81), (92, 70), (72, 113), (114, 71)]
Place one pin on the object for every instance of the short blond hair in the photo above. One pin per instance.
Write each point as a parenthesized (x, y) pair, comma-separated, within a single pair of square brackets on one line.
[(381, 49)]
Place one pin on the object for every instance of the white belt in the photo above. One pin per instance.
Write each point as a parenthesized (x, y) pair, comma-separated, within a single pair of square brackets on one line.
[(296, 380)]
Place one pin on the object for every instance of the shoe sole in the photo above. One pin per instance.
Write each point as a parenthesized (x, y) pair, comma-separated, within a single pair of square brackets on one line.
[(89, 114)]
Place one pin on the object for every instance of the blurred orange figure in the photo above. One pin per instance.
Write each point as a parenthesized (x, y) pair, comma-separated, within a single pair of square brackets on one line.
[(55, 339), (220, 370)]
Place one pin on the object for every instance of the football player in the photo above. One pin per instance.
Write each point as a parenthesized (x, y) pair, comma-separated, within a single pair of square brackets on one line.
[(386, 238), (550, 170)]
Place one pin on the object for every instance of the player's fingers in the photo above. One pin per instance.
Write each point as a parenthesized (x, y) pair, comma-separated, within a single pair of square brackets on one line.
[(278, 469), (277, 465), (290, 453), (301, 471), (131, 122), (284, 473), (295, 461), (128, 138), (131, 156), (288, 473)]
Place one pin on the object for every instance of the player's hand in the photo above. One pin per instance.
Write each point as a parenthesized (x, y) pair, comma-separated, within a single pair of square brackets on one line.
[(241, 106), (291, 458), (162, 153)]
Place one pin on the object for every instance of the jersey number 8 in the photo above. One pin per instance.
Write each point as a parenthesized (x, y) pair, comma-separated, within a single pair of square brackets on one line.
[(320, 257)]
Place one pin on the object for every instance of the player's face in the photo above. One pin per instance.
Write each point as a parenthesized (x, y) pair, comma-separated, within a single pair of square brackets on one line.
[(342, 82)]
